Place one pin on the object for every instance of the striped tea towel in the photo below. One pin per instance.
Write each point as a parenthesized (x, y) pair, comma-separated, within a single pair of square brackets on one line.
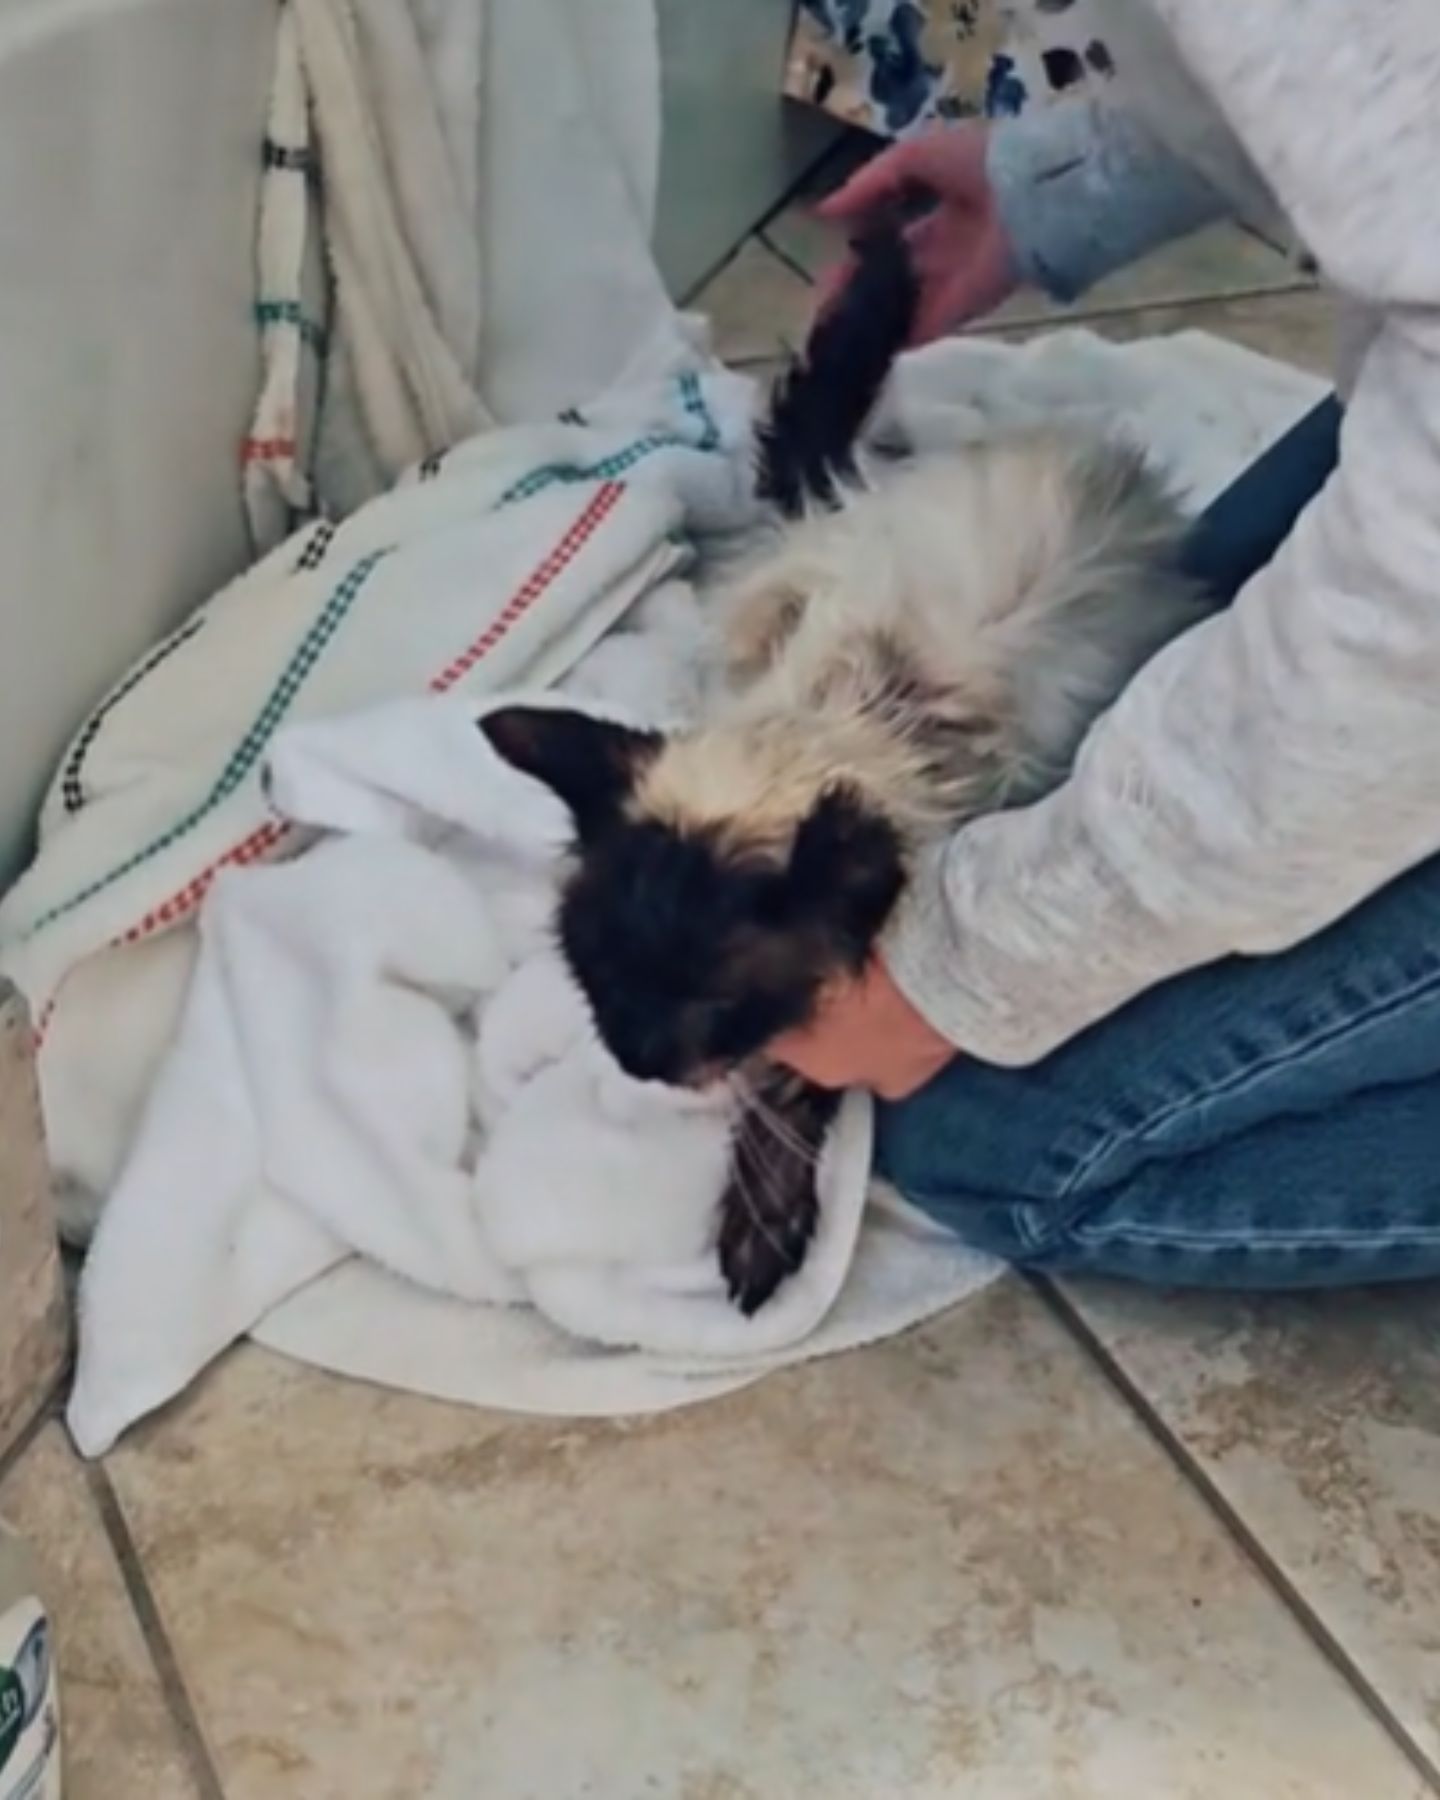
[(499, 564)]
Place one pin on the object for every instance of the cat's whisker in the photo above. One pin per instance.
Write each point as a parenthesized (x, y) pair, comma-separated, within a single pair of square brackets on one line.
[(781, 1129), (763, 1168), (757, 1212)]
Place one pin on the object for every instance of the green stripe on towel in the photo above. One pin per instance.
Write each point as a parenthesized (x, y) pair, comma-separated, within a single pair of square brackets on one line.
[(251, 746)]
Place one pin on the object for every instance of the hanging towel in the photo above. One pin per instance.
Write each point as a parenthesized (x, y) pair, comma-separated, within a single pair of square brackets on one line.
[(437, 252)]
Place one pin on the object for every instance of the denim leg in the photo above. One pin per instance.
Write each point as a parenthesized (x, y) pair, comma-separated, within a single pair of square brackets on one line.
[(1243, 528), (1271, 1122), (1268, 1122)]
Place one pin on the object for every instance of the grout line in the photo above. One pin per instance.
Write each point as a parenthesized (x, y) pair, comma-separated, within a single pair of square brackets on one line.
[(1121, 309), (51, 1406), (49, 1409), (782, 255), (157, 1638), (773, 211), (1208, 1491), (1032, 327)]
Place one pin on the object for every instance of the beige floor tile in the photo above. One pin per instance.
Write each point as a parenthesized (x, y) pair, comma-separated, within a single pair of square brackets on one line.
[(952, 1564), (1296, 328), (796, 232), (120, 1742), (758, 307), (1220, 262), (1318, 1418), (804, 239)]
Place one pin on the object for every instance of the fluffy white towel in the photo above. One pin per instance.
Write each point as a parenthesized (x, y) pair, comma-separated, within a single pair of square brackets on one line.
[(381, 1056), (1200, 408)]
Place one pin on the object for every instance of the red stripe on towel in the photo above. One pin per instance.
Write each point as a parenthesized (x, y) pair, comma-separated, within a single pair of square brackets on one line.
[(534, 586), (273, 449), (184, 900)]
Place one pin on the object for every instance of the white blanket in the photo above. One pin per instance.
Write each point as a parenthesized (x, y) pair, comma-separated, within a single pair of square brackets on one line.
[(375, 1057)]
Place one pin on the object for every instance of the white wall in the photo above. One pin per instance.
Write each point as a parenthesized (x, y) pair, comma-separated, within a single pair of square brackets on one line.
[(130, 136)]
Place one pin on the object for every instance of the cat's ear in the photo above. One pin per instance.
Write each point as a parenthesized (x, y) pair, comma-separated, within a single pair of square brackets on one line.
[(591, 764), (846, 870)]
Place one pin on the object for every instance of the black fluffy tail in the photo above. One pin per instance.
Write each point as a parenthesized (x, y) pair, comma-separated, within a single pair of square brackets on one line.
[(820, 404)]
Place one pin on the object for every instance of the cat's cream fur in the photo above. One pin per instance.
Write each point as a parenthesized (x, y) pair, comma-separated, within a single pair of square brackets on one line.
[(940, 641)]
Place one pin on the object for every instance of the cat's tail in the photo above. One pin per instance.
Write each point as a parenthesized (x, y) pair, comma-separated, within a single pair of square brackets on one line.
[(819, 405)]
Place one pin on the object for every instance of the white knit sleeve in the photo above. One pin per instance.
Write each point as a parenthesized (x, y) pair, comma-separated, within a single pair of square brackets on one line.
[(1261, 776)]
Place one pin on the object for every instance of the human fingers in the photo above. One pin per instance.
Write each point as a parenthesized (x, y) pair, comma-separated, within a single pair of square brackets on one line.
[(882, 180)]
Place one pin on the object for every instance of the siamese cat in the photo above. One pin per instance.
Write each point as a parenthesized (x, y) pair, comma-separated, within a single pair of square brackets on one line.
[(919, 641)]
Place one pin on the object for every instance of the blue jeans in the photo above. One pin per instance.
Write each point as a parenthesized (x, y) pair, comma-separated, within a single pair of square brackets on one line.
[(1265, 1122)]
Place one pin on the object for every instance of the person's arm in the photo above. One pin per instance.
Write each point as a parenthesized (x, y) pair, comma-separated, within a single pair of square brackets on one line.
[(1084, 188), (1279, 763)]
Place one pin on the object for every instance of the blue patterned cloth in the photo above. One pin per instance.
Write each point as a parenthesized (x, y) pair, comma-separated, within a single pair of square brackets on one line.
[(894, 66)]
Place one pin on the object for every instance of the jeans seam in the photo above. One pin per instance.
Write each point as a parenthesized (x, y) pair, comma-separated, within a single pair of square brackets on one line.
[(1250, 1239), (1016, 1213), (1241, 1079)]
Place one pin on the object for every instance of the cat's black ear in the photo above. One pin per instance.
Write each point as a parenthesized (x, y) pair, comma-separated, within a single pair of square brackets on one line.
[(846, 870), (591, 764)]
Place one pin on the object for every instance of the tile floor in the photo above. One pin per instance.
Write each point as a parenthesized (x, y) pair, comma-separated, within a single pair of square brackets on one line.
[(1076, 1545)]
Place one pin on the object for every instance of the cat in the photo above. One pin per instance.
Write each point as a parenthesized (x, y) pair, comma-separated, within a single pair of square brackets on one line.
[(917, 642)]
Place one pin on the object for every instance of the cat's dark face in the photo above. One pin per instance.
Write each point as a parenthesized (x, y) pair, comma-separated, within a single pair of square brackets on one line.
[(694, 943)]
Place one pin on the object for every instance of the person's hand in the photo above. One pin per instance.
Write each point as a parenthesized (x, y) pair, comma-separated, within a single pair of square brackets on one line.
[(960, 250), (866, 1034)]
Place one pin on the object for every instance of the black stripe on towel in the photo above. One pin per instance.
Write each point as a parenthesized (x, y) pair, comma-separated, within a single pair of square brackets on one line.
[(319, 542), (72, 783), (297, 157)]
